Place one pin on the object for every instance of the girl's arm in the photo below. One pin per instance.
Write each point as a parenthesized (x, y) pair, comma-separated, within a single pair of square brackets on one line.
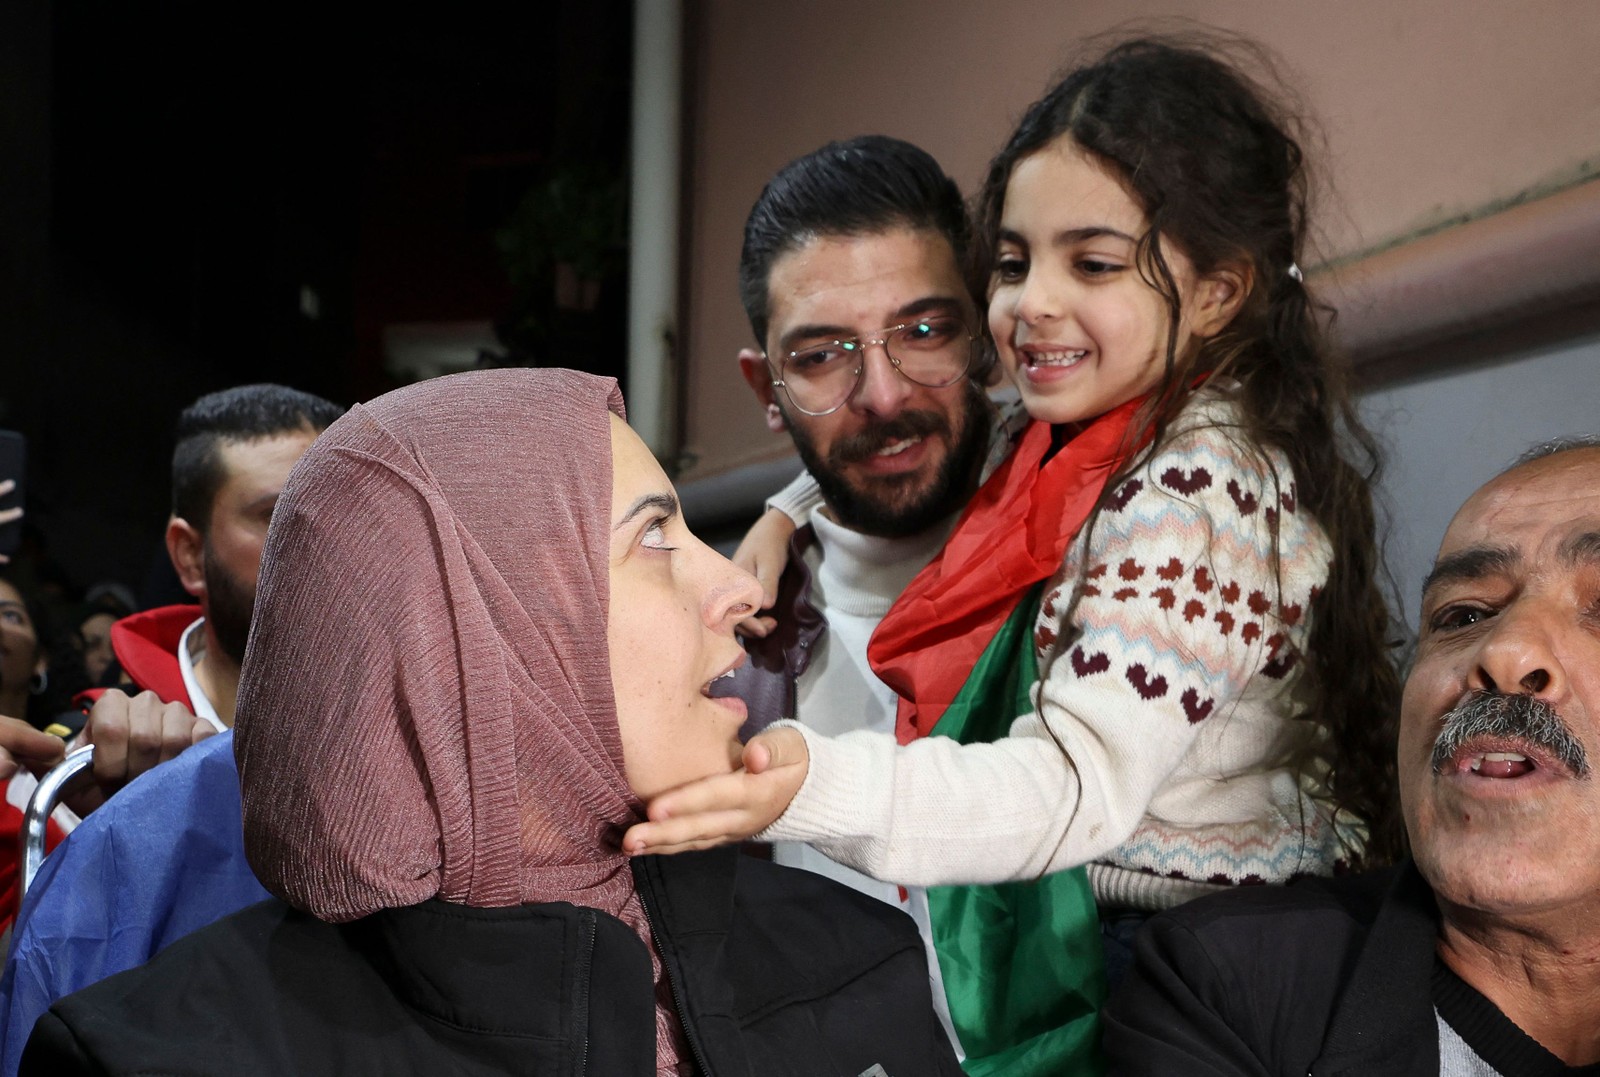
[(1166, 646), (764, 550), (797, 499)]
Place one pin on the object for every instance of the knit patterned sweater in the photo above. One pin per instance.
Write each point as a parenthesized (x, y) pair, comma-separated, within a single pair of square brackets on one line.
[(1162, 746)]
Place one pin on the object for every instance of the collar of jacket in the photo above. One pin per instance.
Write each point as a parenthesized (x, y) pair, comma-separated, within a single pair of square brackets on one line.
[(767, 682), (493, 973), (521, 982), (146, 646), (1384, 1022), (689, 899)]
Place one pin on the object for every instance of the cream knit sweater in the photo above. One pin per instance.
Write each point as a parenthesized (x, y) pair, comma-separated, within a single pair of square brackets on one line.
[(1160, 749)]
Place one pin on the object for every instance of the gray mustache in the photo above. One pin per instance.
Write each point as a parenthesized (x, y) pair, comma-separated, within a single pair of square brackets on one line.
[(1495, 714)]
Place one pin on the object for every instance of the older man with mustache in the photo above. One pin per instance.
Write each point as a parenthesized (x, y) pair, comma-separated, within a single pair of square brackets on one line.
[(1481, 955)]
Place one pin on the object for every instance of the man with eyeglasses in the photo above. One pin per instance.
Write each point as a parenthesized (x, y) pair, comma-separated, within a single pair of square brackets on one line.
[(851, 276)]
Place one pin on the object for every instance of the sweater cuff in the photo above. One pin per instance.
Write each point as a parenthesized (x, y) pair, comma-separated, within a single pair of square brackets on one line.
[(1123, 888), (843, 792), (798, 499)]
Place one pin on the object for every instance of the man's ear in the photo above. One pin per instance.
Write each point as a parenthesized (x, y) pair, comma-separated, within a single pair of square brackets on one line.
[(753, 365), (186, 547), (1218, 297)]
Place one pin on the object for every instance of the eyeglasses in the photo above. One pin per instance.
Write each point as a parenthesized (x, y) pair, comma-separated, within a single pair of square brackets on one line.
[(820, 377)]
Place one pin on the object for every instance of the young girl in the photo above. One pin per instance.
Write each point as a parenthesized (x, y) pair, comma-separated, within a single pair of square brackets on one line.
[(1215, 687)]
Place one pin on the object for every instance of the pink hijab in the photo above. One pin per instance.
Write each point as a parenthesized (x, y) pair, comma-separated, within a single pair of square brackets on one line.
[(426, 707)]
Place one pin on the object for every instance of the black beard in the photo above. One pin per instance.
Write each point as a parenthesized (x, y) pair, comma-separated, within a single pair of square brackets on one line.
[(229, 604), (891, 507), (1522, 717)]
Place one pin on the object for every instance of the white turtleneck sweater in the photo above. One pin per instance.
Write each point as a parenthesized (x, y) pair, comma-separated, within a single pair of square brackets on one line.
[(855, 579)]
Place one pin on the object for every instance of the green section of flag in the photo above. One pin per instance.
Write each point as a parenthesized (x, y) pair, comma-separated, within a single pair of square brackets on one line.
[(1022, 962)]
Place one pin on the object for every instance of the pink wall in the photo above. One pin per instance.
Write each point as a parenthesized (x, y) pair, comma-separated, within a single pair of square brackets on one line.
[(1431, 109)]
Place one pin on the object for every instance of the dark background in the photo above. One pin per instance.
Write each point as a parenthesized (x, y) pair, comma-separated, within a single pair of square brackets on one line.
[(196, 196)]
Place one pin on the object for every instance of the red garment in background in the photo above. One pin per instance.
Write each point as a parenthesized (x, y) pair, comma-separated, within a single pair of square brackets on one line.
[(18, 790), (146, 645)]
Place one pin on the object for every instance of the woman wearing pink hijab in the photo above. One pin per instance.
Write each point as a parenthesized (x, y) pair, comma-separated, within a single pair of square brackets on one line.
[(483, 637)]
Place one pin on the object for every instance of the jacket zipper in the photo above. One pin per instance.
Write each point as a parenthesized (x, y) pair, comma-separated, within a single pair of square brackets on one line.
[(586, 917), (677, 999)]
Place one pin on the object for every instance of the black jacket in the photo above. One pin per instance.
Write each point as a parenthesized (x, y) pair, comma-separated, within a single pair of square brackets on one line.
[(774, 972), (1325, 977)]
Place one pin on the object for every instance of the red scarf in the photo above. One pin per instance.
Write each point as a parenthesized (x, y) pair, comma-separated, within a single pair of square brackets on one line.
[(1014, 533)]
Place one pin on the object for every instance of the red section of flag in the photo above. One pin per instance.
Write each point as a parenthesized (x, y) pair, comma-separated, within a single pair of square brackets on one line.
[(1013, 534)]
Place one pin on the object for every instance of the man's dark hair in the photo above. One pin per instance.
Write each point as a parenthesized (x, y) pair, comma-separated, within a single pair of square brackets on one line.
[(243, 413), (866, 185)]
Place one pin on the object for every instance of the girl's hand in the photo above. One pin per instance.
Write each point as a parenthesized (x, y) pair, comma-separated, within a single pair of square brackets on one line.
[(727, 807), (764, 553)]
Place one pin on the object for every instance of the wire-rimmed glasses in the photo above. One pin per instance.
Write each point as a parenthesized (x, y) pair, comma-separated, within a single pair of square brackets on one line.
[(819, 376)]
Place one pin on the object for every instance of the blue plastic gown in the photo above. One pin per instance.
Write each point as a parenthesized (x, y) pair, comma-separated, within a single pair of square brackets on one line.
[(162, 858)]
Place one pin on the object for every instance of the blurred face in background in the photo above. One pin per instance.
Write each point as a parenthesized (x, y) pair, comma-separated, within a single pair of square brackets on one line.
[(95, 632), (20, 655)]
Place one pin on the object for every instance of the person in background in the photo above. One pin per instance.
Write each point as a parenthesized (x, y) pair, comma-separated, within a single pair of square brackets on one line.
[(31, 649), (103, 605), (27, 705), (94, 633), (40, 682), (174, 853), (234, 450)]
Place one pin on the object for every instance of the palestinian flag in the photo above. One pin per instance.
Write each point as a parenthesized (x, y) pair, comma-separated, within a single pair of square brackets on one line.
[(1022, 963)]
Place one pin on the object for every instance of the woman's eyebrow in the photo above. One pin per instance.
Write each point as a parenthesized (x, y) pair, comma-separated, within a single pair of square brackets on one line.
[(666, 504)]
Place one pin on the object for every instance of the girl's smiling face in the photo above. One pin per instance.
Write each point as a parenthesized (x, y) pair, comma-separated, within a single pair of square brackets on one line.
[(1077, 327)]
